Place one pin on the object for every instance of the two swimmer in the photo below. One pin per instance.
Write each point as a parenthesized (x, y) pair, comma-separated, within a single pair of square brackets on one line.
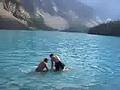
[(55, 62)]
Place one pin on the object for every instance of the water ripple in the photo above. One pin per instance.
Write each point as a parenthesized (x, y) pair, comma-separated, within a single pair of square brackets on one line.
[(93, 60)]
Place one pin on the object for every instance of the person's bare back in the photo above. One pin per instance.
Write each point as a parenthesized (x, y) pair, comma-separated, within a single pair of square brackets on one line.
[(42, 67)]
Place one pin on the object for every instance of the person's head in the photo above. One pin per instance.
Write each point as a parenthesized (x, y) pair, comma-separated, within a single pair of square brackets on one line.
[(51, 55), (46, 60)]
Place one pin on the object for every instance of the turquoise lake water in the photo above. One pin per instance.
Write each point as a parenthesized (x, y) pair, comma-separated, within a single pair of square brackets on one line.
[(94, 61)]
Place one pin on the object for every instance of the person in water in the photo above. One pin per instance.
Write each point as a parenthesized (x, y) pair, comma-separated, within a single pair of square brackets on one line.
[(59, 66), (43, 66)]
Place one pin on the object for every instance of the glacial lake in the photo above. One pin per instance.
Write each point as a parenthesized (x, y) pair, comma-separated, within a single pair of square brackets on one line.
[(94, 61)]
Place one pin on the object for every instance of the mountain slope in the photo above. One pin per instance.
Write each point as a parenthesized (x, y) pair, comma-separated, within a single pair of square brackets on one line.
[(60, 14), (50, 14), (8, 21)]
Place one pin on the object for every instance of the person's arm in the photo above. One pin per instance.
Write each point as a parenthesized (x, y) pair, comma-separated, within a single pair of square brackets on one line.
[(51, 65), (38, 68), (46, 66)]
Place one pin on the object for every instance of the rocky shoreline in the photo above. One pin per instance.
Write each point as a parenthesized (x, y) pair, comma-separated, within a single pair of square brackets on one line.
[(7, 21)]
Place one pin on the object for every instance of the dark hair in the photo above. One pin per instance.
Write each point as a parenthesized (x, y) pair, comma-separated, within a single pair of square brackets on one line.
[(51, 55), (45, 60)]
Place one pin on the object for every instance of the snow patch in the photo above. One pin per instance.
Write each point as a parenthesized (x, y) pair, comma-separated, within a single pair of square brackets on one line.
[(55, 7), (73, 14), (108, 20)]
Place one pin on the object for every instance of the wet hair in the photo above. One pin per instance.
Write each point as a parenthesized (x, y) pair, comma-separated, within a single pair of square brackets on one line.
[(51, 55), (45, 60)]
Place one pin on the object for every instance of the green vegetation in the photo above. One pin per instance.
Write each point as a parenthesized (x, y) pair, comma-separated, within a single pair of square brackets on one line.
[(111, 28), (79, 28)]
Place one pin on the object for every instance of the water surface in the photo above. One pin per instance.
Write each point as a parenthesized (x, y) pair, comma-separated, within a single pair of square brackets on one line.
[(94, 61)]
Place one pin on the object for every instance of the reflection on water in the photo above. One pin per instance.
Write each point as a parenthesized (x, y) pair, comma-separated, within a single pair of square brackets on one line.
[(94, 61)]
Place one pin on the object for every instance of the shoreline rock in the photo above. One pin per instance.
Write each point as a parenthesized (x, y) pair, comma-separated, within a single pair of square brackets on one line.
[(8, 21)]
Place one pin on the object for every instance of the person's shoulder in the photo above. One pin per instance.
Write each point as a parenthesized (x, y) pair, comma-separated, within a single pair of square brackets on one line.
[(41, 63), (45, 63), (57, 57)]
